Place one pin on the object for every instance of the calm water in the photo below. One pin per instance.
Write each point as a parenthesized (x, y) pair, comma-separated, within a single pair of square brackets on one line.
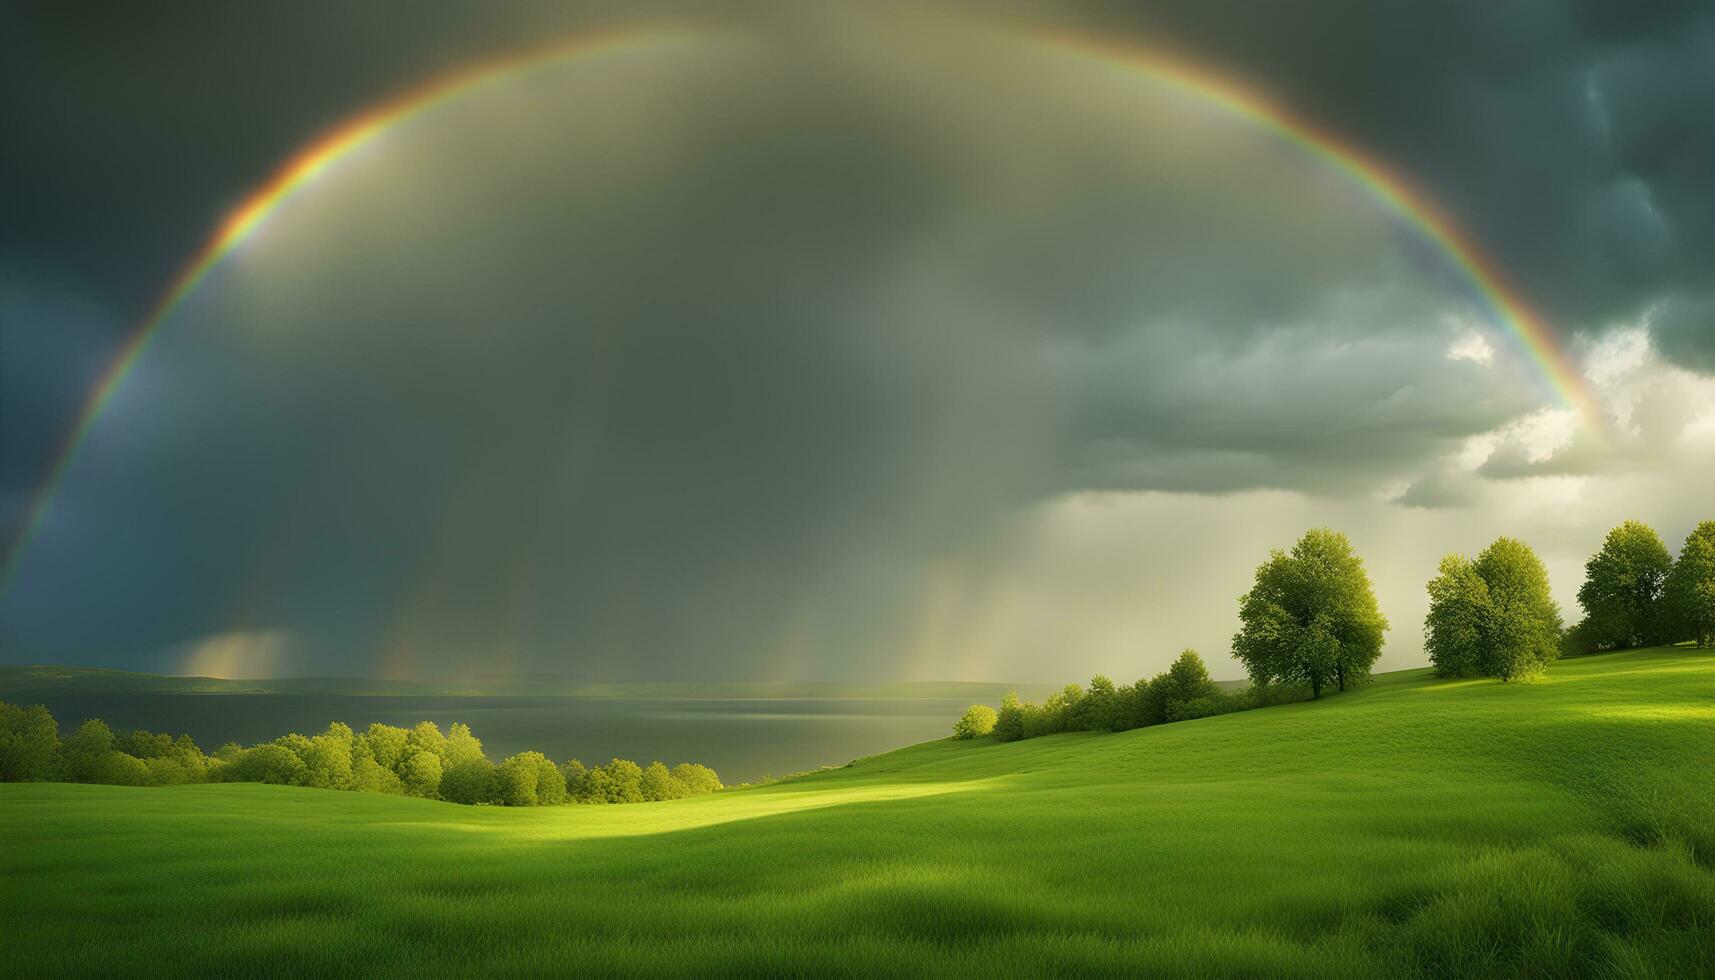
[(742, 740)]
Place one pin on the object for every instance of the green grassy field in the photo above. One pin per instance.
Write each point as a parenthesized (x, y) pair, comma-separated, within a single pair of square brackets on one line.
[(1563, 828)]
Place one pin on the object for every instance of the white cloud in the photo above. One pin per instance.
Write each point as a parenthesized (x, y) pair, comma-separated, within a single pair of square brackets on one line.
[(1473, 347)]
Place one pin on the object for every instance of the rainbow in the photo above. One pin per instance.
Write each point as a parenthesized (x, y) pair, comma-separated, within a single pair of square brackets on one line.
[(1507, 306)]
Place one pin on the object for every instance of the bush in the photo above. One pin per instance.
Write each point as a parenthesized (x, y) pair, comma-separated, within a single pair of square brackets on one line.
[(977, 721)]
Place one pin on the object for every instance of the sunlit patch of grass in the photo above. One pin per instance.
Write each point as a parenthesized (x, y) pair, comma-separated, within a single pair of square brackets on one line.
[(1412, 827)]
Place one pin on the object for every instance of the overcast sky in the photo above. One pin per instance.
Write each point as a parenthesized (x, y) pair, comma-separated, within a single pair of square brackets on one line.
[(824, 341)]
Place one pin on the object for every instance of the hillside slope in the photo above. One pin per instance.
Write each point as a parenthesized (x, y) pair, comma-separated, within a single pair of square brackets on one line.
[(1416, 826)]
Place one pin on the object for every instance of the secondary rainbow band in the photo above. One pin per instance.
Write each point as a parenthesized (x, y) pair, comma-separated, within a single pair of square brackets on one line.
[(1393, 190), (1397, 193)]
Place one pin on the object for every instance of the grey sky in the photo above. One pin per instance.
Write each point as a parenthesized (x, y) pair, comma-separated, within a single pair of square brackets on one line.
[(849, 344)]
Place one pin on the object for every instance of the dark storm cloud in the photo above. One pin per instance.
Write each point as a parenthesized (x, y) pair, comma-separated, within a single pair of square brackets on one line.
[(684, 365), (1575, 139)]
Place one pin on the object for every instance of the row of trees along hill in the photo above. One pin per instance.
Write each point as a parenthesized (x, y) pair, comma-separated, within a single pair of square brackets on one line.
[(1181, 692), (1636, 594), (420, 761), (1311, 622)]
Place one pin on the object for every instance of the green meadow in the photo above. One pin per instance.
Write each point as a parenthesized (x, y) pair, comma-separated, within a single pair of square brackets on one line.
[(1413, 826)]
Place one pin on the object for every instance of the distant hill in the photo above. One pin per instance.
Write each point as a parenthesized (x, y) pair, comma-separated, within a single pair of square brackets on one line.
[(44, 681)]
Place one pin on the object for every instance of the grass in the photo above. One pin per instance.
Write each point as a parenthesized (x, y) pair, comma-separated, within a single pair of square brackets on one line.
[(1563, 828)]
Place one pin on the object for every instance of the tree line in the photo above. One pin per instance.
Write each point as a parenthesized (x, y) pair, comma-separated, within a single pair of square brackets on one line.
[(1311, 623), (421, 761)]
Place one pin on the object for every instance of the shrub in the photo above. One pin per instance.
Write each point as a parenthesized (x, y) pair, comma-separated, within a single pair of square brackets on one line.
[(977, 721)]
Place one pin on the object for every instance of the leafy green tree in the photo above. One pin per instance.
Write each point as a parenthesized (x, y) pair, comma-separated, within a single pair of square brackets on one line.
[(461, 746), (1454, 632), (1098, 710), (977, 721), (421, 774), (1622, 589), (269, 762), (518, 778), (1690, 588), (696, 779), (426, 737), (1311, 616), (550, 781), (1009, 721), (1186, 690), (386, 744), (1522, 628), (658, 783), (622, 782), (577, 778), (327, 759), (29, 740), (473, 780), (87, 754)]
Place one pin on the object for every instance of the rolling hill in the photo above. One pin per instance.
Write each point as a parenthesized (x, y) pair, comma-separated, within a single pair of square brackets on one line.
[(1415, 826)]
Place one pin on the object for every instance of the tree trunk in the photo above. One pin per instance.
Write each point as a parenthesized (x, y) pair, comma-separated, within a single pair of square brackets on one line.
[(1315, 688)]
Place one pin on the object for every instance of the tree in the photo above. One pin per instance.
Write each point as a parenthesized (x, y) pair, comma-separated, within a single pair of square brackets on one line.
[(1521, 632), (267, 763), (1622, 589), (1186, 690), (29, 737), (386, 744), (1009, 721), (518, 780), (1311, 616), (473, 780), (87, 754), (658, 783), (1100, 703), (1453, 632), (977, 721), (696, 779), (577, 781), (622, 782), (1690, 588), (421, 774)]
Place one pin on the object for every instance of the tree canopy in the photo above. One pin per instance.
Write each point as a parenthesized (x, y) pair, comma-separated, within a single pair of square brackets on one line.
[(1493, 616), (1522, 627), (1690, 588), (1622, 590), (1311, 617)]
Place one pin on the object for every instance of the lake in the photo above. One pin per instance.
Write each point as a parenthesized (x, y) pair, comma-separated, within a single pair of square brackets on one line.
[(743, 739)]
